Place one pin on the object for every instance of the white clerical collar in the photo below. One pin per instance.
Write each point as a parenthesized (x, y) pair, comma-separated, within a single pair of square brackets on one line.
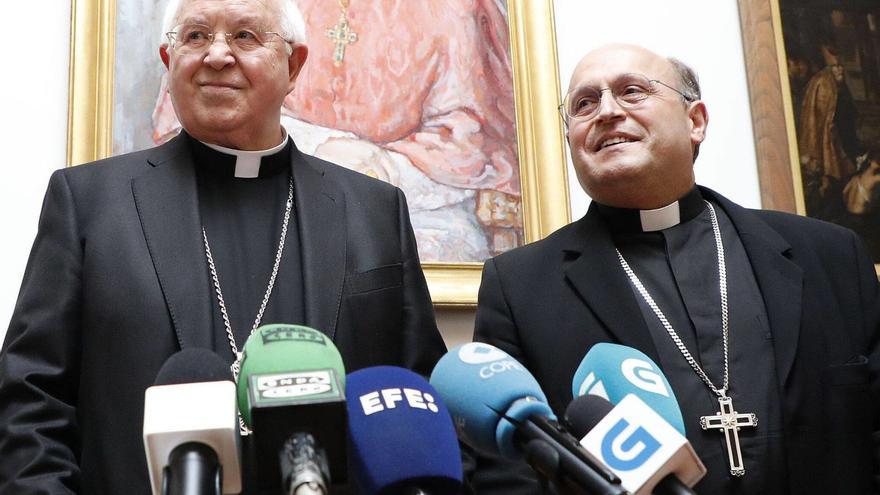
[(660, 218), (247, 163), (634, 220)]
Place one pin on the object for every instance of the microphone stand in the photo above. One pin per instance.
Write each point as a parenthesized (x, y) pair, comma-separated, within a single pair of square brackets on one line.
[(304, 469), (568, 463)]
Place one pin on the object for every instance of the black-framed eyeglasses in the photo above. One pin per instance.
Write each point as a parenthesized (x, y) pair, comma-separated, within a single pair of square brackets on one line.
[(629, 91), (197, 38)]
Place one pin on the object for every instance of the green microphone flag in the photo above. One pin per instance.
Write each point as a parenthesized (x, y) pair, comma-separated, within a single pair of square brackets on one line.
[(286, 365)]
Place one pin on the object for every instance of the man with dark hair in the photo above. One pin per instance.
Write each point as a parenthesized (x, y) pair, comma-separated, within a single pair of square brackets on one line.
[(142, 255), (774, 312)]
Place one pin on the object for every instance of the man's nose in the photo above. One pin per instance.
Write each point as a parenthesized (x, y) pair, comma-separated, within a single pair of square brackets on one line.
[(219, 53), (609, 108)]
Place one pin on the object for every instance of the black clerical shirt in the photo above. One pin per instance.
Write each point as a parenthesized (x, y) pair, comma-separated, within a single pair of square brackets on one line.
[(243, 218), (679, 267)]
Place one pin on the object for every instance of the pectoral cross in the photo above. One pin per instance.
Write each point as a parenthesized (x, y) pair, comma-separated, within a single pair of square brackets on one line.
[(341, 35), (729, 422)]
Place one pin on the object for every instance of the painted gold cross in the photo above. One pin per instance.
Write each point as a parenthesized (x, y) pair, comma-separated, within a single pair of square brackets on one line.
[(728, 421), (341, 35)]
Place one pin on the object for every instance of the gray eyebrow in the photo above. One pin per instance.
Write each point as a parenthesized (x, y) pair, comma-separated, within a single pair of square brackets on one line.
[(616, 80), (582, 87)]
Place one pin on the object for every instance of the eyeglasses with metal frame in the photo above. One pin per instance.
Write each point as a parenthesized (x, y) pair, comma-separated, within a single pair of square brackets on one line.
[(629, 91), (197, 38)]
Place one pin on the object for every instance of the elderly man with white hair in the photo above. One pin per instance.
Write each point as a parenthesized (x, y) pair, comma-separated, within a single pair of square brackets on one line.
[(180, 246)]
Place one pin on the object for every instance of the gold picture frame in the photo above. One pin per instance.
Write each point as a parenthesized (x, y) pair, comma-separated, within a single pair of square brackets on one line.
[(536, 93), (772, 115), (776, 146)]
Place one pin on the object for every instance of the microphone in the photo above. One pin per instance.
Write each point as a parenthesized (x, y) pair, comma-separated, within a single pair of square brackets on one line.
[(648, 454), (498, 406), (191, 426), (401, 438), (613, 371), (291, 393)]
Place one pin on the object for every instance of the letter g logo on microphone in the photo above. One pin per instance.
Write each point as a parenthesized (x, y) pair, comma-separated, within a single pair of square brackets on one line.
[(641, 374), (626, 447)]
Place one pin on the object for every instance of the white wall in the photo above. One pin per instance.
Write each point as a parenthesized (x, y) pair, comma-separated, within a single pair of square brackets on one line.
[(33, 130), (703, 34)]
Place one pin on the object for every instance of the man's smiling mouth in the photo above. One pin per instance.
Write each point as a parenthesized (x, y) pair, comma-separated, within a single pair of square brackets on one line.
[(613, 141)]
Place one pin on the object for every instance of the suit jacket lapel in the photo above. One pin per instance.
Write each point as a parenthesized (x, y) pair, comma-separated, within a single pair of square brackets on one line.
[(166, 198), (778, 277), (320, 211), (599, 279)]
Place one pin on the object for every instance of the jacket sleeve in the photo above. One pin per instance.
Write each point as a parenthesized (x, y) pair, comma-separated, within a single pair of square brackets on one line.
[(39, 361), (869, 293), (494, 321), (488, 473), (422, 344)]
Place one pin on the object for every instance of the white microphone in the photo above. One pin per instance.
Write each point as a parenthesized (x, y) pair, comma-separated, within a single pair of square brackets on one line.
[(191, 432), (637, 444)]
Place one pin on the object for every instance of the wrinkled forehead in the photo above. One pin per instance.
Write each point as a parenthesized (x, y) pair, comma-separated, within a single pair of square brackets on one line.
[(230, 11), (605, 66)]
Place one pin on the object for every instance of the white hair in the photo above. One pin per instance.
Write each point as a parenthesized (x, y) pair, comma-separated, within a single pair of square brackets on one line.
[(292, 24)]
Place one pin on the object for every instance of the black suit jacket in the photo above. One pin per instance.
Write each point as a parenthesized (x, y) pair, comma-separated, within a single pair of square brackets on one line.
[(549, 302), (117, 282)]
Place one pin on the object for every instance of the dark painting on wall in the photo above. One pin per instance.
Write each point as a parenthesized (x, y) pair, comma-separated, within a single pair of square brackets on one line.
[(832, 50)]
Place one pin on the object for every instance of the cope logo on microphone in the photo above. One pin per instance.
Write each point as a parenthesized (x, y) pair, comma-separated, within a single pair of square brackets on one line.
[(479, 353), (388, 398), (496, 360), (293, 385), (292, 334), (641, 374)]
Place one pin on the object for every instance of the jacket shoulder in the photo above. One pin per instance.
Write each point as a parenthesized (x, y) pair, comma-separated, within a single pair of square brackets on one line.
[(127, 165), (800, 229), (532, 253)]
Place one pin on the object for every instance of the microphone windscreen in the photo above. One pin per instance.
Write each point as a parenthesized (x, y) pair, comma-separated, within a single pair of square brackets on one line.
[(585, 412), (482, 384), (614, 371), (401, 434), (285, 349), (193, 365)]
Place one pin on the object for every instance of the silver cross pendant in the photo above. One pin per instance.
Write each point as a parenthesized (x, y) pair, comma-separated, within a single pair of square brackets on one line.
[(728, 422)]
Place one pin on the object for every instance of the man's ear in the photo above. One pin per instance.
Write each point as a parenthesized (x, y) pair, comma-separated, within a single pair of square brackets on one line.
[(699, 118), (163, 54), (298, 55)]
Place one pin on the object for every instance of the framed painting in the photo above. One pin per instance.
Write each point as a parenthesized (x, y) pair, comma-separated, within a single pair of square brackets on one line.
[(813, 69), (464, 121)]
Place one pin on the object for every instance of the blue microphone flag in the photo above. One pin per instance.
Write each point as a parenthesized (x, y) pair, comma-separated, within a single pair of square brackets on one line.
[(401, 434), (485, 388), (613, 371)]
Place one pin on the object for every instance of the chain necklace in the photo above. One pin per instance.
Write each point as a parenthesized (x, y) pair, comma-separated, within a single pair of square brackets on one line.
[(236, 365), (727, 420)]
